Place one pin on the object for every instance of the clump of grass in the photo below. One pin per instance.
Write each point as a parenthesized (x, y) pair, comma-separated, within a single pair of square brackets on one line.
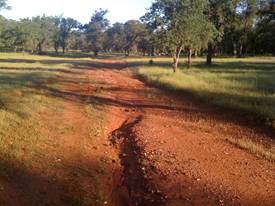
[(90, 110), (94, 110), (254, 148)]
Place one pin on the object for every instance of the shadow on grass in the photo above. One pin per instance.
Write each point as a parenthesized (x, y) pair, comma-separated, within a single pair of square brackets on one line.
[(78, 55), (75, 183), (38, 69), (236, 65), (36, 81)]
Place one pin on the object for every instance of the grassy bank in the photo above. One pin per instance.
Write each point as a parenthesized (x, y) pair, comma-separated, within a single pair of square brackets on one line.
[(38, 104), (29, 86), (244, 84), (22, 98)]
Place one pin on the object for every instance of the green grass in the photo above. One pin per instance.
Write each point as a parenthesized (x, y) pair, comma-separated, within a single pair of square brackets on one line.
[(20, 102), (26, 82), (244, 84), (96, 112), (32, 89)]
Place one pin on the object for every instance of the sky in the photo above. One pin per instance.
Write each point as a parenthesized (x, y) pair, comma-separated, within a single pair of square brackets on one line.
[(81, 10)]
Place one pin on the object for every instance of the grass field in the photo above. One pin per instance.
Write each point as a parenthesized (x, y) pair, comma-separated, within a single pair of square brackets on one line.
[(21, 100), (26, 85), (30, 92), (246, 84)]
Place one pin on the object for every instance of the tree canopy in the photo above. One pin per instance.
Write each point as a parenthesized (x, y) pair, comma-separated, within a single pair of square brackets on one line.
[(4, 5), (95, 30)]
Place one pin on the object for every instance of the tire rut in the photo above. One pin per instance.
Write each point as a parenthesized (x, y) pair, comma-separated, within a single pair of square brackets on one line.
[(141, 191)]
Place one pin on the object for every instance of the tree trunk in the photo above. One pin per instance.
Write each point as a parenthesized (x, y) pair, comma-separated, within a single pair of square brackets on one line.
[(240, 51), (56, 49), (144, 53), (152, 51), (189, 59), (39, 48), (209, 54), (56, 46), (127, 53), (63, 49), (175, 63), (176, 57), (196, 54), (234, 49)]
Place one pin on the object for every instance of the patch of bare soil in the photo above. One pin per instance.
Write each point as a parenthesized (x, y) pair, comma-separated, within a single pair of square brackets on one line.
[(155, 149)]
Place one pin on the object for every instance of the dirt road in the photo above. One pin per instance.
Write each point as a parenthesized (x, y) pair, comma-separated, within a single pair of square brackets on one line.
[(175, 149), (156, 149)]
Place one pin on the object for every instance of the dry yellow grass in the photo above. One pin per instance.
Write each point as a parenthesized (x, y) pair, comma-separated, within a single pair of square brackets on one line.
[(247, 85), (254, 148)]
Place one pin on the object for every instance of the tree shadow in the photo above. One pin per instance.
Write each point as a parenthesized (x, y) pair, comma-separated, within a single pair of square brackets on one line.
[(77, 55), (237, 65), (39, 69), (75, 65), (13, 60), (78, 183)]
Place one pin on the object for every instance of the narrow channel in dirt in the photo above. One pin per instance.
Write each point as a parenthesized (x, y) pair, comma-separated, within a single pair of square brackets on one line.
[(140, 190)]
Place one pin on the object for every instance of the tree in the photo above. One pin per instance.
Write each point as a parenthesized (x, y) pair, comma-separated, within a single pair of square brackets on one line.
[(14, 36), (185, 23), (240, 23), (218, 16), (95, 30), (115, 38), (32, 34), (66, 27), (133, 30), (264, 32), (77, 41), (42, 30), (246, 16), (57, 33), (4, 5)]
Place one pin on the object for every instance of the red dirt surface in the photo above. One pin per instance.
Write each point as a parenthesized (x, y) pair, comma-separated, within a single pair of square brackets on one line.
[(156, 149)]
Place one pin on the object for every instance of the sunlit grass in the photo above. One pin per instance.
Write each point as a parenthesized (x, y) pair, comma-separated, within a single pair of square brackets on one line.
[(244, 84), (27, 86), (22, 100), (19, 123), (25, 61), (183, 60), (253, 147)]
